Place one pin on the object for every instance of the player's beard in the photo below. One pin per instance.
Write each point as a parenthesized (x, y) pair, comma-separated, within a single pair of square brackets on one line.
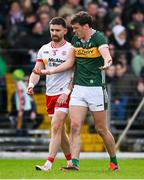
[(56, 39)]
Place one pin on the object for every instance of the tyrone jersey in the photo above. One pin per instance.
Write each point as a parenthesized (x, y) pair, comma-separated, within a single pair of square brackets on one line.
[(52, 57), (88, 60)]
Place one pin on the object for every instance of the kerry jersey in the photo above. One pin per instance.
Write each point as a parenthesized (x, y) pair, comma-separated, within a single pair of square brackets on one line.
[(52, 57), (88, 60)]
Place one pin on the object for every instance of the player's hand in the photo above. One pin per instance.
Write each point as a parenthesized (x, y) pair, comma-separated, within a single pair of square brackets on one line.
[(37, 71), (62, 99), (106, 65), (41, 71), (30, 91), (45, 72)]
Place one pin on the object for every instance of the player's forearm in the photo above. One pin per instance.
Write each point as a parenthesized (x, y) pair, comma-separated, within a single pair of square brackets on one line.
[(63, 67), (69, 87), (106, 54), (33, 80)]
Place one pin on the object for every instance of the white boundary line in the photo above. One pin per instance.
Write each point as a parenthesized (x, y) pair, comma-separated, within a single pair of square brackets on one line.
[(90, 155)]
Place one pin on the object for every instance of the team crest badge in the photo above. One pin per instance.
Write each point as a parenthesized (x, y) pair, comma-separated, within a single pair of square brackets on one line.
[(63, 53)]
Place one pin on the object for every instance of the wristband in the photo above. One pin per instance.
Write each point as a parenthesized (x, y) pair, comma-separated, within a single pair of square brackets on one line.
[(31, 85), (67, 91)]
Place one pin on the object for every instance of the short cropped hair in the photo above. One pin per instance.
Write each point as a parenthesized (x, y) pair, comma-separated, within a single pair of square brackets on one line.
[(58, 21), (82, 18)]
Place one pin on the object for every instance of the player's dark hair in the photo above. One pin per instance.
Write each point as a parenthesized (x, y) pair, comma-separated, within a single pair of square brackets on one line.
[(58, 21), (82, 18)]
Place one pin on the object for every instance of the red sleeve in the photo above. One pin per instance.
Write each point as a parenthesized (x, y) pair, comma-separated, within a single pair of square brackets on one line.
[(39, 60)]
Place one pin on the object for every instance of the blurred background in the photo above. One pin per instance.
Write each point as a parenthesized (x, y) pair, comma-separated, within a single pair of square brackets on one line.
[(24, 28)]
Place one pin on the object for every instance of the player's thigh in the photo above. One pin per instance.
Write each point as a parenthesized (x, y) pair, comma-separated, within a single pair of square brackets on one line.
[(77, 115), (58, 119), (100, 119)]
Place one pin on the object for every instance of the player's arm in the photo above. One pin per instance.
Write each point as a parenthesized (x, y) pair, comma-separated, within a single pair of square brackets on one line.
[(104, 50), (68, 64), (34, 78)]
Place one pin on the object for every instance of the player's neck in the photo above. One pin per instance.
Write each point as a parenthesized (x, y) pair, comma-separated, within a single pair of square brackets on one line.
[(88, 34), (58, 44)]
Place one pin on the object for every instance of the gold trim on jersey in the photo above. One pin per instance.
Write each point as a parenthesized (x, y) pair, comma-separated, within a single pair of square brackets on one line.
[(87, 53), (45, 61)]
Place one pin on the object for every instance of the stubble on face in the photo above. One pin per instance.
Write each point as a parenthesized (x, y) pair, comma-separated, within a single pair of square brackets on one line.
[(56, 38)]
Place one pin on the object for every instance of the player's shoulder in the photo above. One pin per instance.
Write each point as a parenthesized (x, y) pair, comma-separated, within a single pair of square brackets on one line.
[(68, 44), (45, 46), (98, 34), (75, 38), (99, 38), (75, 41)]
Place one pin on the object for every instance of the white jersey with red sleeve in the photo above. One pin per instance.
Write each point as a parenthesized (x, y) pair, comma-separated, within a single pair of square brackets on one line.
[(52, 57)]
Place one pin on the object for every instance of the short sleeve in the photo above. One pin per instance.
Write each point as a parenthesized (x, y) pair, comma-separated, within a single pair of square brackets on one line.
[(100, 39), (39, 57)]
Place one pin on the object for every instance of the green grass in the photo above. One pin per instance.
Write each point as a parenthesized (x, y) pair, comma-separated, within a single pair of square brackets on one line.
[(89, 169)]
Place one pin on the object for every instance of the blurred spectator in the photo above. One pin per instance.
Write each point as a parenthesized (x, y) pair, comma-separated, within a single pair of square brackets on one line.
[(23, 113), (44, 20), (119, 38), (122, 58), (70, 7), (27, 6), (135, 44), (29, 44), (108, 33), (135, 100), (137, 23), (16, 31), (3, 87), (70, 33), (112, 19), (15, 15), (116, 55), (124, 87), (110, 74), (138, 62), (94, 10), (22, 100), (120, 41), (46, 8)]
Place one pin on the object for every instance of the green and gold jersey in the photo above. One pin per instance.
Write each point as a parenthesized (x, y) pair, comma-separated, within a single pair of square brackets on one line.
[(88, 60)]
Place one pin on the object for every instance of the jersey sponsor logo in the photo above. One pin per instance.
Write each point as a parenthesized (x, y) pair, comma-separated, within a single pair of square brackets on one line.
[(87, 53), (53, 62)]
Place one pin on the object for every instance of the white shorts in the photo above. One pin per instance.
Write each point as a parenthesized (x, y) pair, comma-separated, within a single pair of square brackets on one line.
[(95, 98)]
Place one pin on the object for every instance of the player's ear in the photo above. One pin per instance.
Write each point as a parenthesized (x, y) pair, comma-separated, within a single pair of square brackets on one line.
[(65, 30), (86, 26)]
